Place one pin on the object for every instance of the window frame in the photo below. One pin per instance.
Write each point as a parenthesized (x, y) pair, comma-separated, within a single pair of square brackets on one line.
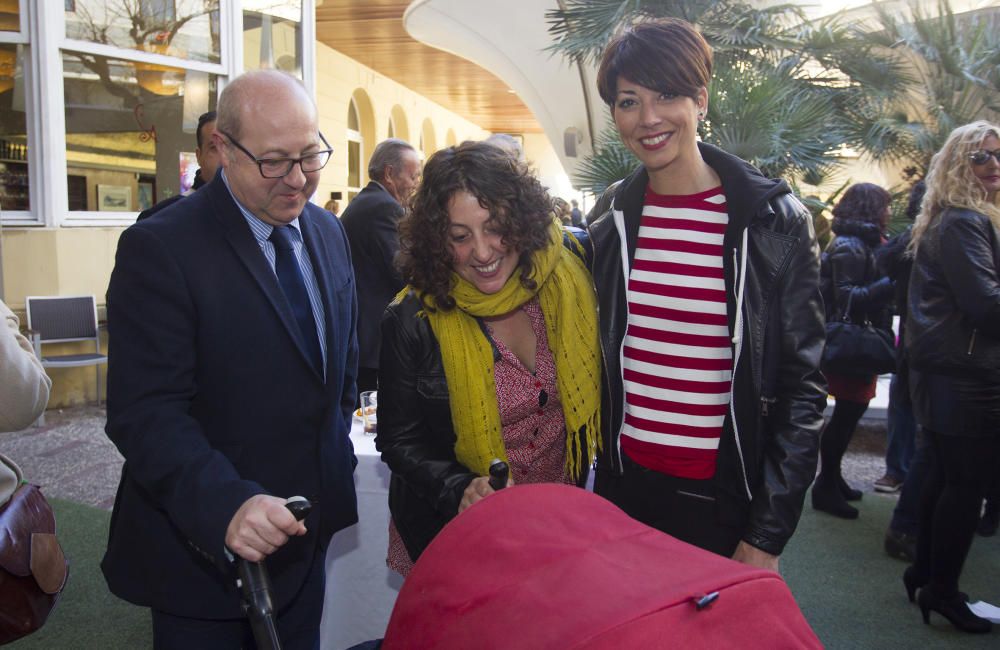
[(43, 30), (23, 37)]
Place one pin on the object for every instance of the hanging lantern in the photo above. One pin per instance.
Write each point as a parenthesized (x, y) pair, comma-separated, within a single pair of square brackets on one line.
[(8, 64), (158, 79)]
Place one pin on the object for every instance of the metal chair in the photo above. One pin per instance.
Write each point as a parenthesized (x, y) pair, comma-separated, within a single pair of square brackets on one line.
[(65, 319)]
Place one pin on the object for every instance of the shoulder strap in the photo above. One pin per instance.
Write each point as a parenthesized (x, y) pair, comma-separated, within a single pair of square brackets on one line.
[(578, 242)]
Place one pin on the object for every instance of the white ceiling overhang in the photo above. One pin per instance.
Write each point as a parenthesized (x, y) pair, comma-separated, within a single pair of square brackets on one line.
[(509, 39)]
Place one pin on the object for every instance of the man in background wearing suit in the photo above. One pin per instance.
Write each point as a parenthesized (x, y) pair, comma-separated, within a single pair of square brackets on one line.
[(370, 221), (231, 381), (207, 154)]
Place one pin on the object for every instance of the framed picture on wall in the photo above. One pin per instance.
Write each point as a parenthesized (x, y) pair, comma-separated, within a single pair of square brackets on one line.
[(145, 196), (114, 198), (189, 165)]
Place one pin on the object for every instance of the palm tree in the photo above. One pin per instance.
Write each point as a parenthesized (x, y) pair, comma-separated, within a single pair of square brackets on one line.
[(952, 77)]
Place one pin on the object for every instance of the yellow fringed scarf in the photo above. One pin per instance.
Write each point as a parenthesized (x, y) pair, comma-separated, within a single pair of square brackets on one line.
[(566, 296)]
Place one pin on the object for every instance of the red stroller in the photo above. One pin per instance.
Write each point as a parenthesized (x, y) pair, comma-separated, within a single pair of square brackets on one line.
[(552, 566)]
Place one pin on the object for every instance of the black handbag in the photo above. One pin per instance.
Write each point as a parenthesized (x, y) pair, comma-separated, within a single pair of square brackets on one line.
[(858, 349)]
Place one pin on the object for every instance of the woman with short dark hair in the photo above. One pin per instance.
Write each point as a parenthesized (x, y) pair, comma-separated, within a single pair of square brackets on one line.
[(490, 351), (859, 291), (711, 319)]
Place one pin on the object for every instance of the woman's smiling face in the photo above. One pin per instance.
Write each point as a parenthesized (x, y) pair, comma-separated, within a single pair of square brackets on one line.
[(479, 254), (659, 128)]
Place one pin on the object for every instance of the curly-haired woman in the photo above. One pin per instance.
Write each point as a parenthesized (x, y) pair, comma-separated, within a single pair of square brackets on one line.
[(953, 344), (490, 351), (861, 292)]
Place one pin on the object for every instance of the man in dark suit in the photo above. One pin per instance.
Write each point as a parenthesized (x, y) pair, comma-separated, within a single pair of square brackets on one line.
[(370, 221), (231, 381), (576, 217), (207, 154)]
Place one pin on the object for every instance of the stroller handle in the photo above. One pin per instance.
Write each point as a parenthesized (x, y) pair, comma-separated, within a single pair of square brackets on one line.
[(254, 584), (499, 472)]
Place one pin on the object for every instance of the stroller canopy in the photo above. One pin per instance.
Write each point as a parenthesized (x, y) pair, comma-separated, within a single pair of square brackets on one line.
[(553, 566)]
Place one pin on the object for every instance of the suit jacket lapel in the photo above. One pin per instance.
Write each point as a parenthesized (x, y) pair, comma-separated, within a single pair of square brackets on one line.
[(239, 236)]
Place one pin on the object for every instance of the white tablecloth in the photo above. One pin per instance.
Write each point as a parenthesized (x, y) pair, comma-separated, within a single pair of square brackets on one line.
[(360, 589)]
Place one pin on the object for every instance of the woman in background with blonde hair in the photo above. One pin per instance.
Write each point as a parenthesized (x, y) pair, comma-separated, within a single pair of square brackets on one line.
[(953, 343)]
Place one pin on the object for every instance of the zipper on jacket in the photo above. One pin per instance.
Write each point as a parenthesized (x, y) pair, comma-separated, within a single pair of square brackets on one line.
[(765, 404), (972, 343), (619, 219), (740, 271)]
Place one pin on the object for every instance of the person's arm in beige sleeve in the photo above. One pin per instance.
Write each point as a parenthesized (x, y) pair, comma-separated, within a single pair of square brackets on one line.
[(24, 386)]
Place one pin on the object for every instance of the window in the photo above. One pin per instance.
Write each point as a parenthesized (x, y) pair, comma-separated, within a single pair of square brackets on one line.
[(125, 130), (117, 126), (13, 130), (354, 151), (10, 16), (181, 28), (272, 35)]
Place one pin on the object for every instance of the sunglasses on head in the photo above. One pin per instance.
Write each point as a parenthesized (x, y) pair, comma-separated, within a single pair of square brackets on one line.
[(983, 156)]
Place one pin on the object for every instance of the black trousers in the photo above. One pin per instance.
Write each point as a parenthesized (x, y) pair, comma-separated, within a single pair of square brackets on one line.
[(298, 623), (682, 508), (961, 473), (906, 515)]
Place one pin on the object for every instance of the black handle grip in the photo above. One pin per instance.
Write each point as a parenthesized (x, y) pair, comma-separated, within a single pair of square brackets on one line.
[(255, 588), (499, 471), (300, 507)]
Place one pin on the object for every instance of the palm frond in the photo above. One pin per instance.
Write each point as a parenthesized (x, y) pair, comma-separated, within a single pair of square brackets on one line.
[(610, 162)]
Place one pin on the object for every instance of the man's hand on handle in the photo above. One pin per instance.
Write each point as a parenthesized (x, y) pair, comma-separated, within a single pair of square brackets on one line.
[(261, 526)]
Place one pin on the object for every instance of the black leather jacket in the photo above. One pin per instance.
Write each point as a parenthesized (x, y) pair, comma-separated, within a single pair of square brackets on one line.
[(849, 265), (415, 434), (953, 327), (767, 455)]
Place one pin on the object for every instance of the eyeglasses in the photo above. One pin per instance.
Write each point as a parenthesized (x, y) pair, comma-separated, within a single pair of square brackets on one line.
[(983, 156), (281, 167)]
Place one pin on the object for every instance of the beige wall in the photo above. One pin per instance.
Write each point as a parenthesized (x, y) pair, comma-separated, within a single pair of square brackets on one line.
[(543, 158), (60, 261), (57, 261), (338, 78)]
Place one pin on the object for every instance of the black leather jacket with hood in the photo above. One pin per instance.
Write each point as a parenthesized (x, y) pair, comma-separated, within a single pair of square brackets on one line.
[(770, 440)]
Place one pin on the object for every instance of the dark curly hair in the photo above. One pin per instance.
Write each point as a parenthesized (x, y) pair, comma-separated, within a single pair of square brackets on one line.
[(516, 201), (865, 202)]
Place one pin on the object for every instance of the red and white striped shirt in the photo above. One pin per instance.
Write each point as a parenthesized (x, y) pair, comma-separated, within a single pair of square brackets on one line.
[(677, 360)]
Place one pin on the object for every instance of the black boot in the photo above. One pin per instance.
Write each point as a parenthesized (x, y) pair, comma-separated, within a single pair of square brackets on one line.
[(850, 494), (827, 497), (828, 491), (900, 545)]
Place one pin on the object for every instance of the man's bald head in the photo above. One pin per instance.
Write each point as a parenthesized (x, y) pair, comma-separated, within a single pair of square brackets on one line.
[(269, 116), (258, 94)]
